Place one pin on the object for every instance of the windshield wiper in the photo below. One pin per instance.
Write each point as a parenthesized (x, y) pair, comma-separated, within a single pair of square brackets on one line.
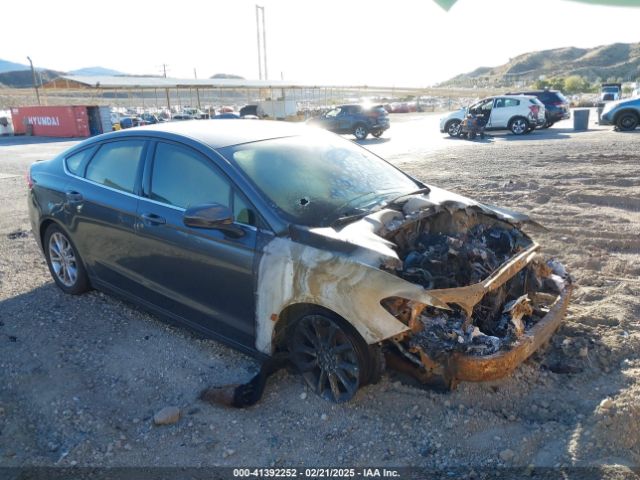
[(396, 200), (348, 216)]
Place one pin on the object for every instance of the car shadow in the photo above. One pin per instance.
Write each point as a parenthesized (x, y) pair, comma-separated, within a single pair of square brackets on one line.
[(373, 141)]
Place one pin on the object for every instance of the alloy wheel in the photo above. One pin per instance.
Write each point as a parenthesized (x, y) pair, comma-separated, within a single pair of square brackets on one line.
[(326, 357), (63, 259)]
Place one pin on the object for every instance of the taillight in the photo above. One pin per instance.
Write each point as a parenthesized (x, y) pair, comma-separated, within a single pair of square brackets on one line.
[(29, 179), (534, 109)]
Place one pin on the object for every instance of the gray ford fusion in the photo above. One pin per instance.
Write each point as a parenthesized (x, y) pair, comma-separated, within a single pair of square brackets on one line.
[(275, 237)]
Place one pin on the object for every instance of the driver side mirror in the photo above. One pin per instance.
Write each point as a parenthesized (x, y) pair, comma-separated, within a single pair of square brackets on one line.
[(214, 216)]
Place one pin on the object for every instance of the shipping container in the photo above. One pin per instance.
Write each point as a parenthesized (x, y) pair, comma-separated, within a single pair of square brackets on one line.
[(71, 121)]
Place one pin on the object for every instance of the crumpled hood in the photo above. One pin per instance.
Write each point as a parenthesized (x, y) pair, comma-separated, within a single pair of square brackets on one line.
[(362, 241)]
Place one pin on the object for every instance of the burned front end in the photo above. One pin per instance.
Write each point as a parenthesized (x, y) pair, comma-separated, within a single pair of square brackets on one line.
[(498, 298)]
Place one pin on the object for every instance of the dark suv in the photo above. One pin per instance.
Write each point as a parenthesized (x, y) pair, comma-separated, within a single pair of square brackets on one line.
[(555, 103), (359, 120)]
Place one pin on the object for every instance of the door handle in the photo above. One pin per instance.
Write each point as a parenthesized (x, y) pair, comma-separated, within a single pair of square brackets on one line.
[(74, 197), (153, 219)]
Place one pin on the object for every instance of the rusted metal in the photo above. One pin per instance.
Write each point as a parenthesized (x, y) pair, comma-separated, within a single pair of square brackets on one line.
[(468, 297), (459, 366)]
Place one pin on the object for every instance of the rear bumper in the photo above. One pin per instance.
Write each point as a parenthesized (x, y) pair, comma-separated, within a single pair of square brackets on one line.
[(380, 126), (556, 116)]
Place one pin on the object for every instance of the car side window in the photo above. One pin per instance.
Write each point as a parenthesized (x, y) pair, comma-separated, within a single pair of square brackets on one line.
[(116, 164), (499, 103), (511, 102), (184, 178), (77, 160)]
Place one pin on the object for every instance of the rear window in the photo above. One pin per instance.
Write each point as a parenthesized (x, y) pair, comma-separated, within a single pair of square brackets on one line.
[(378, 110), (116, 164), (77, 160)]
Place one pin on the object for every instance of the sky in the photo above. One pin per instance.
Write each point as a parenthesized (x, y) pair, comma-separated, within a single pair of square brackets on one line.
[(354, 42)]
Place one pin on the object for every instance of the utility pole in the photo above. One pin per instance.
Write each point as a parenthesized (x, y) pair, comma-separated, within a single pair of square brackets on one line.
[(166, 90), (262, 43), (35, 83)]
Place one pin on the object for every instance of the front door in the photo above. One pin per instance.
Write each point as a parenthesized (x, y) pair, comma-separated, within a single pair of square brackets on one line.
[(204, 276)]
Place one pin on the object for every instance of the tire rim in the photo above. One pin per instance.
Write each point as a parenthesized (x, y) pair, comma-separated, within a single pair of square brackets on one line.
[(360, 132), (326, 358), (627, 122), (63, 259), (454, 129), (519, 126)]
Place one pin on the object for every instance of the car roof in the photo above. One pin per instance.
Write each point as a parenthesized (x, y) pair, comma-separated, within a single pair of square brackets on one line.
[(220, 133)]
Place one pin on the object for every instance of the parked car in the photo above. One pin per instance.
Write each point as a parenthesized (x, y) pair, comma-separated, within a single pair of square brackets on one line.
[(183, 116), (358, 120), (518, 113), (249, 110), (556, 105), (275, 237), (150, 118), (130, 122), (623, 114), (227, 115)]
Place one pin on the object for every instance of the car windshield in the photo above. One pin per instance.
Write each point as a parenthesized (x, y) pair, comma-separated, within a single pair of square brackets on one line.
[(317, 178)]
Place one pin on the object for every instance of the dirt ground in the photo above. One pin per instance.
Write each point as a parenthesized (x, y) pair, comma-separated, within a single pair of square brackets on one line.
[(81, 377)]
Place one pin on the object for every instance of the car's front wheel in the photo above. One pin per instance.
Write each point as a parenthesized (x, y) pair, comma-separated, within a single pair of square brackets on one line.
[(333, 359), (64, 262), (627, 122), (519, 125), (454, 128), (361, 131)]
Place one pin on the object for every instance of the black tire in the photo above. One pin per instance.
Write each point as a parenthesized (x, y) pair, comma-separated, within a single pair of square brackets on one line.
[(378, 364), (472, 135), (360, 131), (627, 121), (64, 262), (518, 125), (377, 133), (332, 357), (453, 128)]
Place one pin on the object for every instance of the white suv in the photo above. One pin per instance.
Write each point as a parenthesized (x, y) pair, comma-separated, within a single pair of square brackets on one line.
[(518, 113)]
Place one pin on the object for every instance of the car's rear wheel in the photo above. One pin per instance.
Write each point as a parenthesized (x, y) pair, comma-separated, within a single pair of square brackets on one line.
[(333, 359), (377, 133), (361, 131), (627, 122), (64, 262), (519, 125), (453, 128)]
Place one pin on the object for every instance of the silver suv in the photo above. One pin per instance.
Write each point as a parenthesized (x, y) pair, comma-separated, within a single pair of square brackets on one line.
[(518, 113)]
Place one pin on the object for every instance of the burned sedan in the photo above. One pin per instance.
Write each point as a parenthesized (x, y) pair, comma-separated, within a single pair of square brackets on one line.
[(280, 238)]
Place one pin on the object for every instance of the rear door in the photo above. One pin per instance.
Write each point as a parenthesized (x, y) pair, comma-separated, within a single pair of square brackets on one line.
[(204, 276), (103, 207)]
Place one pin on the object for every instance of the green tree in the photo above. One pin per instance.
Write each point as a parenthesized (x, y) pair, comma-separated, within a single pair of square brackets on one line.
[(540, 84), (575, 84)]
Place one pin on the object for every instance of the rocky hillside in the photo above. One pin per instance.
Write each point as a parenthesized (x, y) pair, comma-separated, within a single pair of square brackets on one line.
[(618, 60)]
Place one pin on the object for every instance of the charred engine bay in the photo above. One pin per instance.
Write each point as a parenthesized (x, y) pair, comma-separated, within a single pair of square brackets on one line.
[(459, 248)]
